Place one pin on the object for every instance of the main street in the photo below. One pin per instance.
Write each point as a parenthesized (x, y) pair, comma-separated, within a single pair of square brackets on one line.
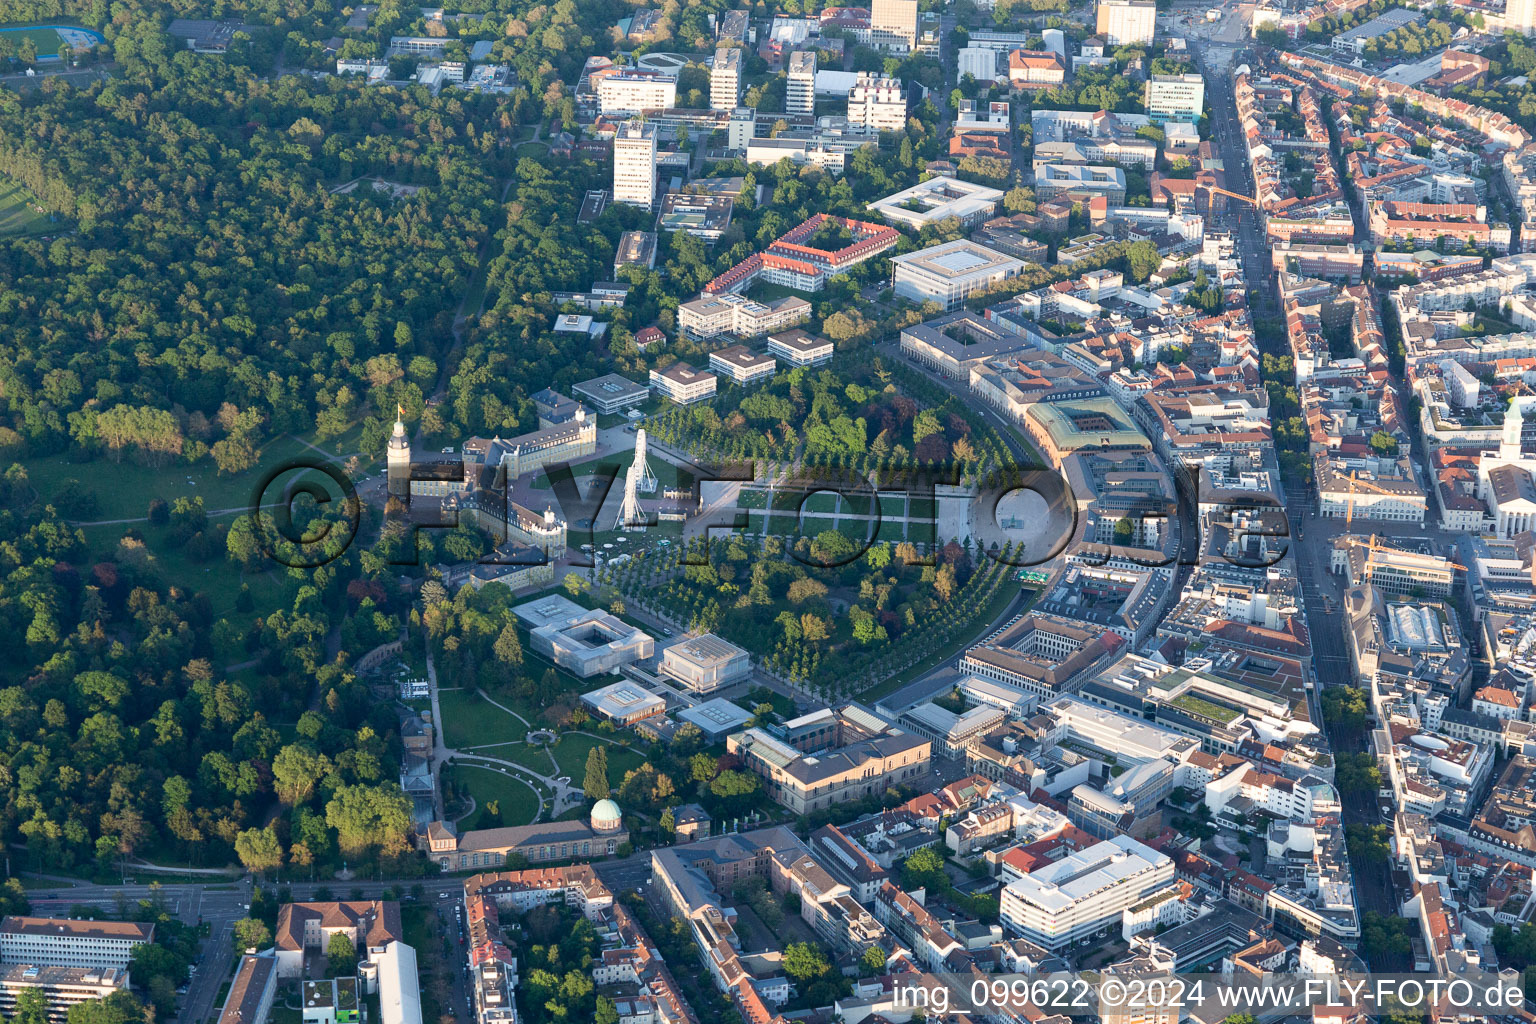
[(1312, 536)]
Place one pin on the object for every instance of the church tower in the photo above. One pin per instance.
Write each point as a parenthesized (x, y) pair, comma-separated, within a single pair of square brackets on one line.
[(398, 459)]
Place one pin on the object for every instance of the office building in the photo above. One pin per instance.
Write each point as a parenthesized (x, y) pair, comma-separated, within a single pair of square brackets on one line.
[(1083, 892), (611, 393), (950, 272), (683, 384), (634, 164), (799, 348), (62, 987), (728, 313), (624, 703), (937, 199), (742, 365), (831, 757), (65, 942), (633, 91), (725, 79), (1520, 16), (741, 128), (800, 85), (705, 663), (979, 62), (587, 642), (1052, 180), (716, 718), (877, 103), (704, 217), (893, 25), (1036, 69), (1126, 22), (1175, 98)]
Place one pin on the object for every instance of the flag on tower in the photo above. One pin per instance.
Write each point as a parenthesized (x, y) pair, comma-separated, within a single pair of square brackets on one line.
[(399, 411)]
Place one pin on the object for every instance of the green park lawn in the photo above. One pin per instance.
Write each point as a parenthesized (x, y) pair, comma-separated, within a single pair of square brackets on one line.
[(571, 754), (519, 802), (217, 577), (528, 756), (17, 215), (123, 490), (469, 720)]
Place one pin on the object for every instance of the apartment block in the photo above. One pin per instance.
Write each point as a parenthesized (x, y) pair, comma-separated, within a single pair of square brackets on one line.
[(1126, 22), (800, 86), (893, 25), (877, 103), (725, 79), (634, 166)]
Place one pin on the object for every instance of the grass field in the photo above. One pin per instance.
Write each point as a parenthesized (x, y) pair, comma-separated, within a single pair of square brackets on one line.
[(518, 801), (571, 754), (17, 216), (469, 720), (124, 489), (536, 758), (47, 40), (217, 578)]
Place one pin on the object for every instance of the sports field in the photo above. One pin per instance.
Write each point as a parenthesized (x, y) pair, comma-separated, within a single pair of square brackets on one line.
[(45, 37), (18, 215)]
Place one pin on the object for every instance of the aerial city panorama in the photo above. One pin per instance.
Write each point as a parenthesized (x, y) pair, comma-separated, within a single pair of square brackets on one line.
[(575, 512)]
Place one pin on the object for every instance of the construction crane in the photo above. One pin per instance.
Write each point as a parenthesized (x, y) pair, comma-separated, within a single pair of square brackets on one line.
[(1349, 512), (1376, 545)]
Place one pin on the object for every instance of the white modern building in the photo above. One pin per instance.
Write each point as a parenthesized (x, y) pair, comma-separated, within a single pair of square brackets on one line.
[(1083, 893), (725, 79), (893, 25), (800, 85), (1175, 98), (683, 384), (950, 272), (877, 103), (705, 663), (800, 348), (636, 91), (66, 942), (709, 316), (937, 199), (634, 164), (399, 985), (624, 703), (591, 642), (61, 987), (742, 365), (979, 62), (1126, 22)]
